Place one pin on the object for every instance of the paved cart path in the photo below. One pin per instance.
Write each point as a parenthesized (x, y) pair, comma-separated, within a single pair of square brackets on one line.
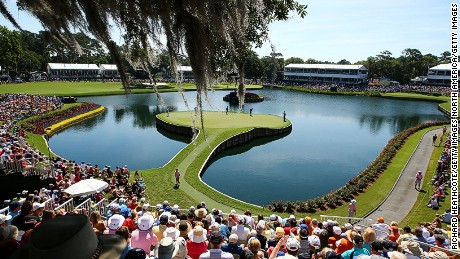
[(402, 198)]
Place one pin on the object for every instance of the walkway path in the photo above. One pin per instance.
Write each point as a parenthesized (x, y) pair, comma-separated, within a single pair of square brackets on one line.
[(402, 198), (185, 186)]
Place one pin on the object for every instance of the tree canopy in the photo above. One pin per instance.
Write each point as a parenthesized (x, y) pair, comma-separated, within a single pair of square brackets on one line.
[(210, 32)]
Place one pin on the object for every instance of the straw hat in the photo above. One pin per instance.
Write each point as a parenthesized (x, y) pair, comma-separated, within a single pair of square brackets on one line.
[(411, 247), (197, 235), (201, 213)]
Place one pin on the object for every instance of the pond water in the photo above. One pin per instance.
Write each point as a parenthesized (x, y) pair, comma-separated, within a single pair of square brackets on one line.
[(333, 138)]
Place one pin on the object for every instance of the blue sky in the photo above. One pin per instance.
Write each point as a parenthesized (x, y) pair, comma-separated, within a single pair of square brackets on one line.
[(352, 30)]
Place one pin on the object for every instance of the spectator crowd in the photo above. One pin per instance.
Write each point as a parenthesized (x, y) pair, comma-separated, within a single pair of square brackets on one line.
[(166, 231), (38, 227)]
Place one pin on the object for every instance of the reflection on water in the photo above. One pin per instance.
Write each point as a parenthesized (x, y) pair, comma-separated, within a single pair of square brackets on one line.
[(143, 114), (333, 138), (241, 149)]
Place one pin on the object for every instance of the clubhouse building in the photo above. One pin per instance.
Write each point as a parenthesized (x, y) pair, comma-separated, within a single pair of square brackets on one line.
[(186, 72), (108, 71), (326, 73), (439, 75), (66, 71)]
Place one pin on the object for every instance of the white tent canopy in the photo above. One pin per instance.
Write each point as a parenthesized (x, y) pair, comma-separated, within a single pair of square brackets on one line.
[(86, 187)]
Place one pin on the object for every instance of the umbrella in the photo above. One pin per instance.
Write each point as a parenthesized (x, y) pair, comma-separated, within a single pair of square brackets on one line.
[(85, 187)]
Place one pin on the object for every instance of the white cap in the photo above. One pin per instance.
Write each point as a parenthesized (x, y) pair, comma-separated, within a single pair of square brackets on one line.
[(292, 244), (115, 221), (145, 222), (314, 241), (337, 230), (37, 206), (4, 218)]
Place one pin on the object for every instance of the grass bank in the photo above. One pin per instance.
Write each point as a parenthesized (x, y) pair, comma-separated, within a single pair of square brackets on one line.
[(191, 159), (36, 140), (444, 101), (78, 89)]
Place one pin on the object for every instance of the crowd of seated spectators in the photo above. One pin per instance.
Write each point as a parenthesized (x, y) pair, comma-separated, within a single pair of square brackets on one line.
[(341, 87), (16, 155), (165, 231)]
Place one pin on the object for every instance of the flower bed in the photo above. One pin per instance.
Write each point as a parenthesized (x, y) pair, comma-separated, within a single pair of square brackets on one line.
[(37, 125), (68, 122), (357, 184)]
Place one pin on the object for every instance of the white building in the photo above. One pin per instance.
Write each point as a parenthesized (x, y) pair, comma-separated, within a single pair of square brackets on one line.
[(108, 71), (326, 73), (439, 75), (72, 71), (185, 72)]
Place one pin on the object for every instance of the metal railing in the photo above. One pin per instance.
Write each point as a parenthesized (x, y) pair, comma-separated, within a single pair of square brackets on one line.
[(365, 222), (67, 206), (85, 207), (100, 206), (11, 167), (48, 204), (107, 208)]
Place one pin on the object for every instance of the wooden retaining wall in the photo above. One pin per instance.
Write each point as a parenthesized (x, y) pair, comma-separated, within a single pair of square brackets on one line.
[(446, 112), (233, 141)]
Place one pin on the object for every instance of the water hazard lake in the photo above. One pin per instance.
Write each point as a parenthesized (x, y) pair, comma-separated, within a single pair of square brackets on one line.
[(333, 138)]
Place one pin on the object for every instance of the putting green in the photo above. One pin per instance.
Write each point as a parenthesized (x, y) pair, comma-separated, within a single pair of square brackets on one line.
[(220, 128), (220, 120)]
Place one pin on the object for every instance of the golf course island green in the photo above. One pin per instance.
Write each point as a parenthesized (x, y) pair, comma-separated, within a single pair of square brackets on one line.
[(221, 131)]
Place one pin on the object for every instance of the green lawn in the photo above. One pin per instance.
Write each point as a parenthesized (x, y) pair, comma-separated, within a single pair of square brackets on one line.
[(443, 100), (37, 141), (190, 161), (94, 88), (420, 212), (234, 120)]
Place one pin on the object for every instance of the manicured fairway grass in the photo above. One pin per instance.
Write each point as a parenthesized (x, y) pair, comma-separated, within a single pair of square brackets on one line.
[(95, 88), (191, 163), (214, 120)]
